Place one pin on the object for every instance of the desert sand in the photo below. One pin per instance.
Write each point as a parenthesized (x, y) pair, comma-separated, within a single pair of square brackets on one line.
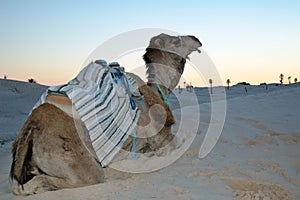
[(256, 157)]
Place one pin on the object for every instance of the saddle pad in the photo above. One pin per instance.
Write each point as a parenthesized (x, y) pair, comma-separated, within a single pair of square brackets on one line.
[(104, 106)]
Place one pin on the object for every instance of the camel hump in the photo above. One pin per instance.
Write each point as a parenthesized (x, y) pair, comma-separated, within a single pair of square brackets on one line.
[(22, 149), (59, 99), (22, 146)]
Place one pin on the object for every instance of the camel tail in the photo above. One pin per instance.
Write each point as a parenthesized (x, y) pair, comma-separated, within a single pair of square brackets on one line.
[(21, 153)]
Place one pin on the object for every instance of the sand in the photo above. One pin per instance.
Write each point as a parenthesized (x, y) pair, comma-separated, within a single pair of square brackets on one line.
[(256, 157)]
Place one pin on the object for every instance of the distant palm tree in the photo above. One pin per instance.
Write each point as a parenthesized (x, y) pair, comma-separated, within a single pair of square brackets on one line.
[(289, 78), (281, 76), (295, 80), (228, 82), (210, 82)]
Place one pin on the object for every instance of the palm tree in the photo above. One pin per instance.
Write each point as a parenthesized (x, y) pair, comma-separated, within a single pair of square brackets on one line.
[(281, 76), (210, 82), (289, 78), (295, 80), (228, 82)]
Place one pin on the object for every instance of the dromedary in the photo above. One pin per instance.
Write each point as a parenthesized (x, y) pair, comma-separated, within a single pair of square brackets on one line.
[(52, 152)]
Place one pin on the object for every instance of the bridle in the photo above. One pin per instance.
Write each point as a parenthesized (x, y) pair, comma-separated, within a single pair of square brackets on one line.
[(170, 51), (181, 53)]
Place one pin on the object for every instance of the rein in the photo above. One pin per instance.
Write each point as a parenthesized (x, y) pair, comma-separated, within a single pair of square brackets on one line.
[(165, 98)]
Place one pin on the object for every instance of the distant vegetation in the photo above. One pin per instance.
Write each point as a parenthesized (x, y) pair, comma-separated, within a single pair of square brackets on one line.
[(228, 83), (243, 83), (289, 78), (31, 80), (281, 76), (210, 82), (281, 80)]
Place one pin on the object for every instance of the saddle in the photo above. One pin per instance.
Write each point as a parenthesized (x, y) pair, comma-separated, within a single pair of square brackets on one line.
[(101, 97)]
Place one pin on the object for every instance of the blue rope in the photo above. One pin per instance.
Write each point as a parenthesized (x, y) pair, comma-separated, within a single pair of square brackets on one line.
[(140, 101), (126, 84), (134, 155), (119, 77), (159, 88), (166, 100), (114, 74)]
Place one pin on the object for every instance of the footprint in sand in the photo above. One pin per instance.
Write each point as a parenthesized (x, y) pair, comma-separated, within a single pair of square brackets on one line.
[(244, 189)]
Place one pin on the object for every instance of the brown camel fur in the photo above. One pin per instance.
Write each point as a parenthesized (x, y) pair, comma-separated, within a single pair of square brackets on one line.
[(49, 155), (52, 152)]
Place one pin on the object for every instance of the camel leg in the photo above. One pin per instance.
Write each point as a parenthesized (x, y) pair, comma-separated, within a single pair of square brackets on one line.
[(39, 184), (56, 157)]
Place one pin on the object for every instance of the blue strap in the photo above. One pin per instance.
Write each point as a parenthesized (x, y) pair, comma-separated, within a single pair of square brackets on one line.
[(140, 101), (115, 75), (134, 155), (163, 94)]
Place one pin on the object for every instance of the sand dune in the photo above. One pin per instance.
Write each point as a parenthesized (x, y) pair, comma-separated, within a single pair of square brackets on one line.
[(256, 157)]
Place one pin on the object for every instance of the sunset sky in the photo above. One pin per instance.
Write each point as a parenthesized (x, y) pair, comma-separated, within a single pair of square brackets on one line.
[(49, 41)]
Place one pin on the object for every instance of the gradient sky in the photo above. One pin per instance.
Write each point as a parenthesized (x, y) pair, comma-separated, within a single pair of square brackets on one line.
[(251, 41)]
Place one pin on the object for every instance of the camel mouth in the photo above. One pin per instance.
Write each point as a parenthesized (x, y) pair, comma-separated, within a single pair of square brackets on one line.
[(196, 49)]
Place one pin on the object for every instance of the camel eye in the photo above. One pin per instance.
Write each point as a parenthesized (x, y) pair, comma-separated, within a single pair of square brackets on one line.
[(178, 59)]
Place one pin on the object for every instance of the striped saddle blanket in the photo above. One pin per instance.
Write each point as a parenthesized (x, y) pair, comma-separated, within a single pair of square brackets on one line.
[(102, 97)]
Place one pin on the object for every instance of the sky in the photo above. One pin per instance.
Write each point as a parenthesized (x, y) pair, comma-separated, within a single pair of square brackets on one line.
[(50, 40)]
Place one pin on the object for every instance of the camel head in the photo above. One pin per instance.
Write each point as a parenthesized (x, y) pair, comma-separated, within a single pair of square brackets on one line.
[(165, 58)]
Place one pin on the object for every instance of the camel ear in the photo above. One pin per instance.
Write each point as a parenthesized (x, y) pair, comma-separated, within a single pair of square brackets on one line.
[(160, 41)]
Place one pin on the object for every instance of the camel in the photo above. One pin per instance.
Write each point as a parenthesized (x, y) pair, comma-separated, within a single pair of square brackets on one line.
[(52, 151)]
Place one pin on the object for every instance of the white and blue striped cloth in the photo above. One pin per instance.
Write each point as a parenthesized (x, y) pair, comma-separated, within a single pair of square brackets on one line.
[(104, 106)]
